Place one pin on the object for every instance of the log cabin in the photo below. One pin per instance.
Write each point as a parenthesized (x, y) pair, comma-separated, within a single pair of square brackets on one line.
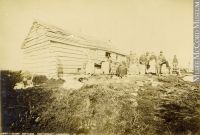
[(51, 51)]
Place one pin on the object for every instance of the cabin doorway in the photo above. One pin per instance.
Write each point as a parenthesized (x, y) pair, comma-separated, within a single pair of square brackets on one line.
[(59, 68)]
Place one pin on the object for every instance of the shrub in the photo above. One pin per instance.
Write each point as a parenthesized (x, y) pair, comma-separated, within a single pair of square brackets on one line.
[(172, 108), (8, 96), (39, 79), (179, 111), (105, 108), (26, 74), (10, 78)]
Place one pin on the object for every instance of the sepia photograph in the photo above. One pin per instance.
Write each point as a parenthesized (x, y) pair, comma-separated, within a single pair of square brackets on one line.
[(100, 67)]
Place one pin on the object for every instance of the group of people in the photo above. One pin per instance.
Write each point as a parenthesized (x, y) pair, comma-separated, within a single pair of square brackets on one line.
[(150, 63), (147, 63)]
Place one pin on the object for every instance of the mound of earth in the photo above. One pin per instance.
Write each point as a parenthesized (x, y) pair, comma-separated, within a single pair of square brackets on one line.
[(138, 105)]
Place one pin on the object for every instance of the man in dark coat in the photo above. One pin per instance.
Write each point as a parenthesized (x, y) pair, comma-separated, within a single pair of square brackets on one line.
[(161, 61), (144, 60), (121, 70)]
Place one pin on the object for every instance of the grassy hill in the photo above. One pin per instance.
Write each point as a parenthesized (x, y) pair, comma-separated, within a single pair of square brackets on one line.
[(139, 105)]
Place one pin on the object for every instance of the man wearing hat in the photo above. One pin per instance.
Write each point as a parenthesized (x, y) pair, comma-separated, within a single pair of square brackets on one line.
[(144, 63), (161, 61)]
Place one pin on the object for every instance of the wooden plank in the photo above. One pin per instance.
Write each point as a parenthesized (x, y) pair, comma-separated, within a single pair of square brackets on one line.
[(35, 54), (38, 62), (46, 64), (43, 45), (35, 61), (53, 59), (42, 64), (41, 52), (75, 57), (36, 39), (68, 50), (78, 40), (70, 55), (36, 49), (36, 42), (72, 60), (36, 58), (70, 70), (64, 41), (36, 36), (68, 46), (38, 53)]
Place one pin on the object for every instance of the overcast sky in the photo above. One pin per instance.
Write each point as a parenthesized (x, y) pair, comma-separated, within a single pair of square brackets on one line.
[(137, 25)]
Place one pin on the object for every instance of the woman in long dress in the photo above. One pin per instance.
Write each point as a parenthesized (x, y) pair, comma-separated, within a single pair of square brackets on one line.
[(152, 64)]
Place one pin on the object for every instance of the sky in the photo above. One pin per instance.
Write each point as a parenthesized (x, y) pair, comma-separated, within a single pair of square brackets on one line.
[(130, 25)]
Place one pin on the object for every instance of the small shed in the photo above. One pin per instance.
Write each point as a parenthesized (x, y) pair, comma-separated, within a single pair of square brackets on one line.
[(51, 51)]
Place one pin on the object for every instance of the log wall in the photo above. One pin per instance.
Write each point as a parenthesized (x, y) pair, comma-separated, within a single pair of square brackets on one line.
[(48, 51)]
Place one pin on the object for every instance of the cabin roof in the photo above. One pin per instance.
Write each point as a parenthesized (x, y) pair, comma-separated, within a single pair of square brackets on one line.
[(56, 34)]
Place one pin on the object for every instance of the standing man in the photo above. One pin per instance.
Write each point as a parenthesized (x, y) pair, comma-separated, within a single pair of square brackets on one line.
[(144, 63), (147, 59), (175, 61), (161, 61)]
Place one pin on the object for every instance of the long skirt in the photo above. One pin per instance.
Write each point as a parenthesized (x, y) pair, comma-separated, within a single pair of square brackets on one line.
[(142, 69), (152, 68)]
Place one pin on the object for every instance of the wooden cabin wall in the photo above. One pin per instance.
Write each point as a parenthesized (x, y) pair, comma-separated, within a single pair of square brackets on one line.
[(46, 49), (70, 57), (114, 57), (38, 59), (100, 55), (36, 36)]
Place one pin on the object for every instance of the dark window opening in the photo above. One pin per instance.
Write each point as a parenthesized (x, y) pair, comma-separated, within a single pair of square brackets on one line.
[(78, 70), (107, 54), (97, 65)]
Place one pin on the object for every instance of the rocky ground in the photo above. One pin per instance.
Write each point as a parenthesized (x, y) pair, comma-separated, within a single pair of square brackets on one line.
[(139, 105)]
